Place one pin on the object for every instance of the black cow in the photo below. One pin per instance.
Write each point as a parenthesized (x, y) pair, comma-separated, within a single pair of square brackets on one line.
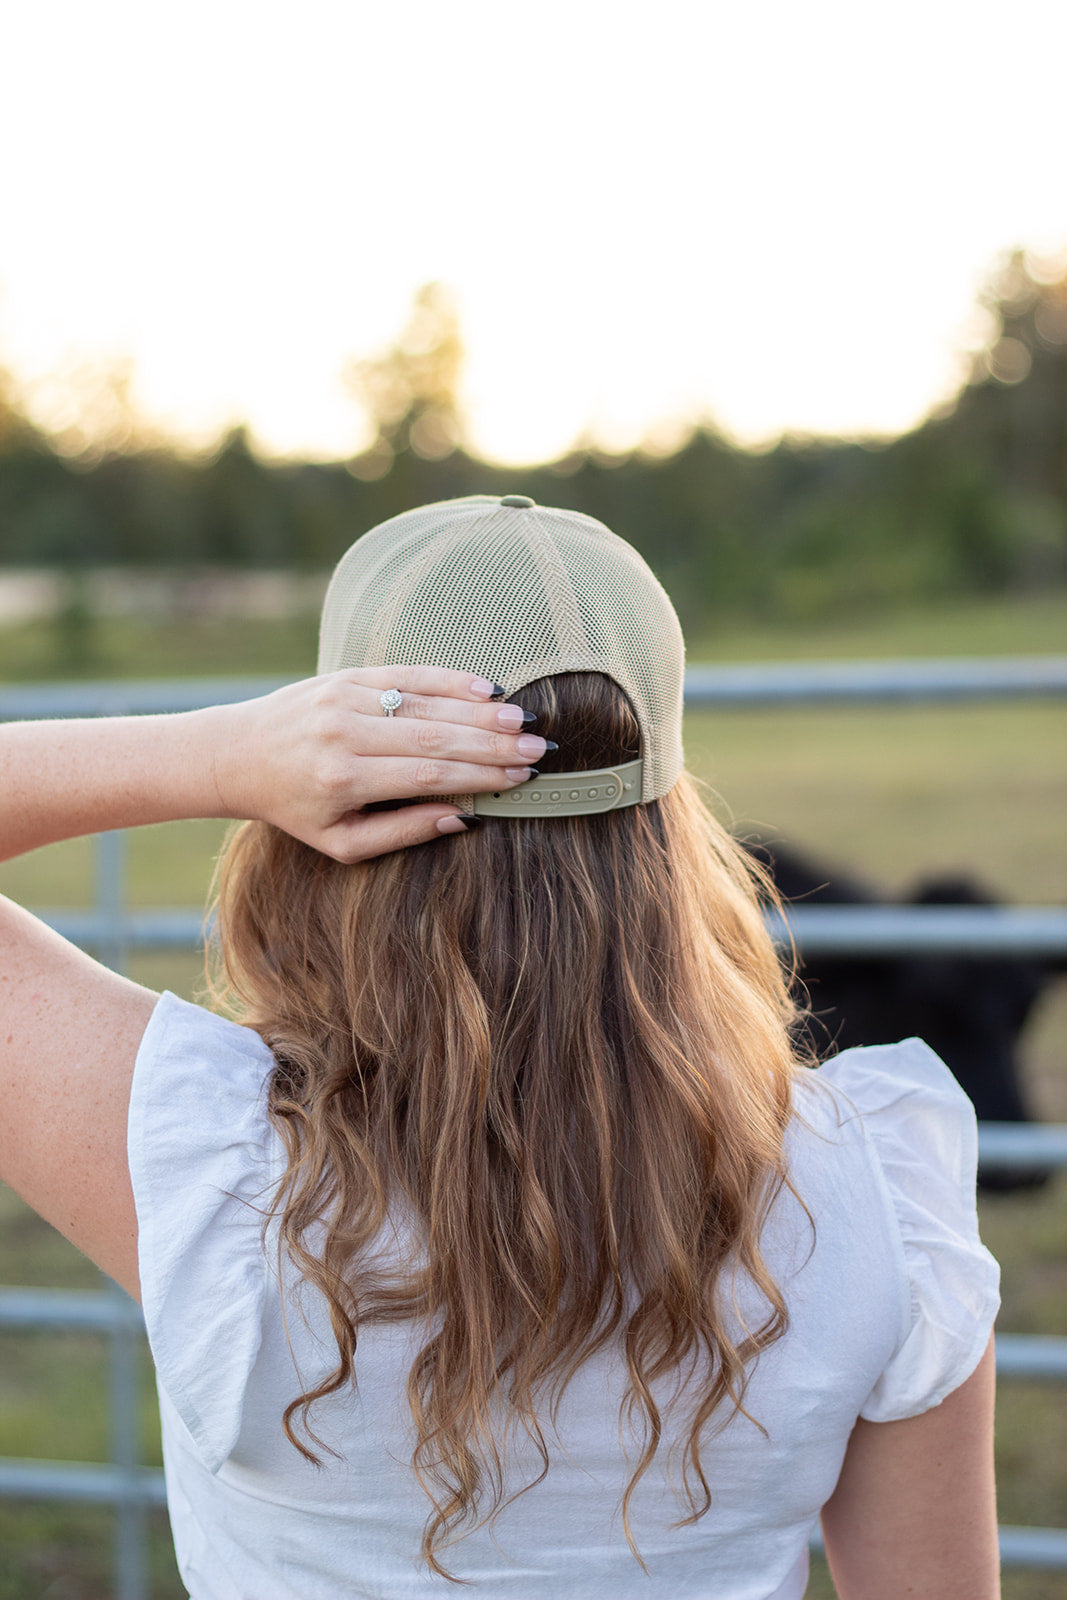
[(970, 1009)]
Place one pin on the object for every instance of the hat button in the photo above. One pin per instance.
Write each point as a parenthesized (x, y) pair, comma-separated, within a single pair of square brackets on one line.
[(515, 500)]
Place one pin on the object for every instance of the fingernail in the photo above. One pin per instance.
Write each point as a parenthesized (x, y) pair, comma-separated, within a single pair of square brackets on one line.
[(532, 744), (499, 692), (486, 688), (550, 744), (453, 824), (529, 716), (520, 774), (511, 716), (470, 818)]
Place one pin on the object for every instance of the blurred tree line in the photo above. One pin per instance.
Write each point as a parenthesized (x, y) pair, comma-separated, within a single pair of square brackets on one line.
[(973, 501)]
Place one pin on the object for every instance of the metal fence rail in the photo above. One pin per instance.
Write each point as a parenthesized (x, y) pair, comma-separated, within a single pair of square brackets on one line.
[(791, 683), (909, 681), (112, 931), (838, 930)]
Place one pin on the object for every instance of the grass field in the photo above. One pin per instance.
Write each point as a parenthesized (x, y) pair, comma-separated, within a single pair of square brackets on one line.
[(158, 648), (890, 792)]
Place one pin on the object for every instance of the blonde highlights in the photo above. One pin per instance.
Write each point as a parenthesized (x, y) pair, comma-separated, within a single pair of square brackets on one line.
[(562, 1047)]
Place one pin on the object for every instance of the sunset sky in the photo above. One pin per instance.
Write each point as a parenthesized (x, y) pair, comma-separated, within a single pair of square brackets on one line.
[(777, 216)]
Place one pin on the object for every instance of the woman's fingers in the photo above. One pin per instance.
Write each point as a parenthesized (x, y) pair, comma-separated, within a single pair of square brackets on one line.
[(426, 680), (409, 778), (348, 717), (428, 704), (445, 741), (442, 708), (379, 833)]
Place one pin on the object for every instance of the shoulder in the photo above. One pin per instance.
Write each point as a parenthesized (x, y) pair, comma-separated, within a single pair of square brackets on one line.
[(900, 1100), (179, 1028), (199, 1095), (204, 1162), (887, 1077), (910, 1135)]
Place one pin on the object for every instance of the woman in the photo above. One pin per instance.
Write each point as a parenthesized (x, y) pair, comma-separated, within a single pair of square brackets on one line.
[(504, 1240)]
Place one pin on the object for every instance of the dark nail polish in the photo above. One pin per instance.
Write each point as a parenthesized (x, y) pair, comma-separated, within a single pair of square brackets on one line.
[(499, 692), (533, 774), (529, 716), (550, 744), (470, 819)]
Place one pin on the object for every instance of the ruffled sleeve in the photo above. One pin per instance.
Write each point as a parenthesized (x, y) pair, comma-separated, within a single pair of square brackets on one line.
[(203, 1160), (923, 1133)]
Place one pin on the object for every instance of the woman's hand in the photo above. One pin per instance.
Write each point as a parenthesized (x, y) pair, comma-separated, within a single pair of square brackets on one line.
[(308, 758), (311, 756)]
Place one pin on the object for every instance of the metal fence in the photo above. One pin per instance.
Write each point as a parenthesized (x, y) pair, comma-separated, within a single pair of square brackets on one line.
[(112, 932)]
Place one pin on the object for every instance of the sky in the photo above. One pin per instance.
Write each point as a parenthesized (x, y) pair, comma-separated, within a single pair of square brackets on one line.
[(776, 217)]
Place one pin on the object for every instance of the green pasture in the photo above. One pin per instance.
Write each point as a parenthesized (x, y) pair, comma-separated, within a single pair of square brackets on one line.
[(888, 793), (77, 644)]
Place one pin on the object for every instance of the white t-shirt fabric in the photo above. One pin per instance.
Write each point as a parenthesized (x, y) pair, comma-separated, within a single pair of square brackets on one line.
[(891, 1302)]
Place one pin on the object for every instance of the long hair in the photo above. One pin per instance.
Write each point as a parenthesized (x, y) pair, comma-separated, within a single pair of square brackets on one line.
[(562, 1047)]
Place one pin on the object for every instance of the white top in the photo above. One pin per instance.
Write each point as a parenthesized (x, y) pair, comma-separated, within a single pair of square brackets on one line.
[(890, 1310)]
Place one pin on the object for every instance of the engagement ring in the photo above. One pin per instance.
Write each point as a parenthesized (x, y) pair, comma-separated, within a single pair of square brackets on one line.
[(389, 699)]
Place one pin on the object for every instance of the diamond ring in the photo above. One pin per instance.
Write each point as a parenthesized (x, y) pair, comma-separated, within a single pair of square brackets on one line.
[(389, 700)]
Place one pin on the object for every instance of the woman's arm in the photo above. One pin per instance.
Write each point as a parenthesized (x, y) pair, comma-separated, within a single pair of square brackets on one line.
[(306, 758), (914, 1512)]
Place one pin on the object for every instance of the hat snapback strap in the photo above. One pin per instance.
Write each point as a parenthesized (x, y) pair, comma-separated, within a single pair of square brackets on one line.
[(567, 794)]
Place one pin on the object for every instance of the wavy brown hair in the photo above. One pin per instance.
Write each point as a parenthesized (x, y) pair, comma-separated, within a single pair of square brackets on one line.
[(562, 1046)]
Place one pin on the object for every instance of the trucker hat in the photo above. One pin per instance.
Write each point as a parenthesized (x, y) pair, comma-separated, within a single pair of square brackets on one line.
[(515, 591)]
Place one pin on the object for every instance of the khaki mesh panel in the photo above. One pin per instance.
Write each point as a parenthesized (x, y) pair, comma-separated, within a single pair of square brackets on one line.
[(513, 593)]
